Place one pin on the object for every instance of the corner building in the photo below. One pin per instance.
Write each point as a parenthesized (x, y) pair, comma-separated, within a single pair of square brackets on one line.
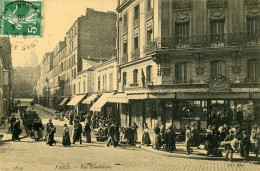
[(189, 61)]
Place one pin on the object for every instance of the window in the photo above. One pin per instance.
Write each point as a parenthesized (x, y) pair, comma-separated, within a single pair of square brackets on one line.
[(124, 79), (84, 86), (218, 68), (217, 31), (135, 76), (125, 48), (136, 43), (182, 33), (149, 5), (253, 70), (79, 87), (125, 20), (136, 12), (99, 83), (149, 36), (110, 81), (104, 82), (253, 27), (75, 73), (181, 72), (148, 73), (74, 88)]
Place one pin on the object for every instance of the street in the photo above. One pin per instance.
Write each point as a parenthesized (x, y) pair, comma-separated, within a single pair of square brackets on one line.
[(31, 155)]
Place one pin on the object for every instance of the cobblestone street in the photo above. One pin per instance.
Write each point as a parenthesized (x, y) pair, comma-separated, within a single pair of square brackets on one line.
[(30, 155)]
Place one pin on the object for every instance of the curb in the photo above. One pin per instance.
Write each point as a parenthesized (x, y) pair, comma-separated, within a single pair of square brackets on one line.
[(11, 139)]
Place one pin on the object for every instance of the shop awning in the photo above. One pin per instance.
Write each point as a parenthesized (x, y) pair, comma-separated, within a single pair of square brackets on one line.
[(75, 100), (118, 98), (213, 95), (64, 101), (151, 96), (89, 99), (100, 102)]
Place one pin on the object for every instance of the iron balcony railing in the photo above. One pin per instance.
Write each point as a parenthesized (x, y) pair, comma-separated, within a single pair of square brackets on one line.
[(251, 1), (135, 54), (217, 3), (209, 40)]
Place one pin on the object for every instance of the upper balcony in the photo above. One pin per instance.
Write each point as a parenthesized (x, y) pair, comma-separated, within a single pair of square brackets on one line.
[(199, 41)]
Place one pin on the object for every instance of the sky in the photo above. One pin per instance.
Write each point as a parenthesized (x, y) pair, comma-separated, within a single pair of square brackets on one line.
[(58, 17)]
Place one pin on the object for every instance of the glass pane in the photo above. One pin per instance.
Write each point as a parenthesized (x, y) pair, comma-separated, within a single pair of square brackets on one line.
[(214, 70)]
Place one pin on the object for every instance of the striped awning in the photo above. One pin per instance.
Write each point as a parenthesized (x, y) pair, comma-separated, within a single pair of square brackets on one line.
[(100, 102), (89, 99)]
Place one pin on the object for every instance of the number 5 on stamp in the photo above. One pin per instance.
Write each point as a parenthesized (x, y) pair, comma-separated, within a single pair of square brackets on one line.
[(19, 18)]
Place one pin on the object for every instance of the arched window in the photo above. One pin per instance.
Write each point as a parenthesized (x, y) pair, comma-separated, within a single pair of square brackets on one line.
[(135, 76), (149, 73), (124, 78)]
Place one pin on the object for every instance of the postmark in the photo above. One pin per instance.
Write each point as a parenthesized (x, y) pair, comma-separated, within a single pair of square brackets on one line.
[(21, 18)]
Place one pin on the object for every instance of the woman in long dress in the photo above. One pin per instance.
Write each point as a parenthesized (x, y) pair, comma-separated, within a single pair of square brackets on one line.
[(35, 130), (50, 136), (87, 132), (146, 137), (40, 125), (135, 127), (66, 136), (16, 130)]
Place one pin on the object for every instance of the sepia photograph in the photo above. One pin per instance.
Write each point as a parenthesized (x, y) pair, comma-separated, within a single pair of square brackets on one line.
[(129, 85)]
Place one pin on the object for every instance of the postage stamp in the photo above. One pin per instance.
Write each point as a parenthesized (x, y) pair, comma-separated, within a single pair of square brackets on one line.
[(20, 18)]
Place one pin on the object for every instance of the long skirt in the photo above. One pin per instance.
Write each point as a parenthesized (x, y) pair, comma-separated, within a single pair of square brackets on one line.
[(40, 133), (50, 139), (66, 139), (135, 136), (146, 139), (36, 134), (157, 141), (88, 137)]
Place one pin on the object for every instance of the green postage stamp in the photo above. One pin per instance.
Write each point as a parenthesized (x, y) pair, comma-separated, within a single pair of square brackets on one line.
[(21, 18)]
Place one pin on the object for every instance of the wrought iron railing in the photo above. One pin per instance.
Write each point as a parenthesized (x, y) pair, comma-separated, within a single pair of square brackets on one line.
[(251, 1), (124, 58), (217, 3), (135, 54), (209, 40), (149, 14), (180, 4)]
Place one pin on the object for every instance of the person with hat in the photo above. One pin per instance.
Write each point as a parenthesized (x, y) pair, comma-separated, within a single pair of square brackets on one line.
[(229, 146), (50, 135), (66, 136), (146, 137), (35, 130), (135, 127), (187, 139), (48, 128), (112, 135), (16, 130), (254, 139), (77, 132), (157, 137), (170, 141), (245, 145)]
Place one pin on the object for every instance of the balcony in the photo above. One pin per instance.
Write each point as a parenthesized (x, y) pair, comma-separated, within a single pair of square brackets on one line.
[(208, 40), (217, 3), (149, 14), (177, 4), (124, 58), (251, 1), (135, 54), (136, 22)]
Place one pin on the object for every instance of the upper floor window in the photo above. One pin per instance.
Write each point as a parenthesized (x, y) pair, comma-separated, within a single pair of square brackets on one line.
[(181, 72), (217, 32), (149, 36), (149, 5), (135, 76), (253, 70), (218, 68), (213, 3), (182, 33), (125, 20), (136, 12), (98, 83), (136, 42), (253, 28), (124, 78), (75, 73), (84, 86), (181, 4), (149, 73), (110, 81), (79, 87), (125, 48)]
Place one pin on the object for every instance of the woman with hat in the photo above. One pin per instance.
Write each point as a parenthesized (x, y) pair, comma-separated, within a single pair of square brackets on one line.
[(146, 137), (66, 136), (254, 139)]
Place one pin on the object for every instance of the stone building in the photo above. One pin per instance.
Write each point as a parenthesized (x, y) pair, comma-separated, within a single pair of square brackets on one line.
[(189, 61)]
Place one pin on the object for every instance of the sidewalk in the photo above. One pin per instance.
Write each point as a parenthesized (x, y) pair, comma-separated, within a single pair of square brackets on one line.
[(8, 137), (49, 110)]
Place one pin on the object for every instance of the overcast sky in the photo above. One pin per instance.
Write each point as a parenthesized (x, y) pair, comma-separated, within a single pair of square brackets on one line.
[(58, 17)]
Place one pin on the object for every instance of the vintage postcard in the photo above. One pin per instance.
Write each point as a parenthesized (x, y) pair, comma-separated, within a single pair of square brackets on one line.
[(149, 85)]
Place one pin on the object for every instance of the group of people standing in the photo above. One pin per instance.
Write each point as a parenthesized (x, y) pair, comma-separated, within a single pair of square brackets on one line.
[(38, 128)]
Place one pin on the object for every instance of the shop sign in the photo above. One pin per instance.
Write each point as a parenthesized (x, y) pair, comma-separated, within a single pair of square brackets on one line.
[(220, 84)]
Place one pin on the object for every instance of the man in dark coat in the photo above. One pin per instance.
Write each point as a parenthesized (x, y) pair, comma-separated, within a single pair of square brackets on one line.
[(16, 130), (170, 141), (87, 132), (50, 135), (112, 135), (48, 125), (245, 145), (77, 132)]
